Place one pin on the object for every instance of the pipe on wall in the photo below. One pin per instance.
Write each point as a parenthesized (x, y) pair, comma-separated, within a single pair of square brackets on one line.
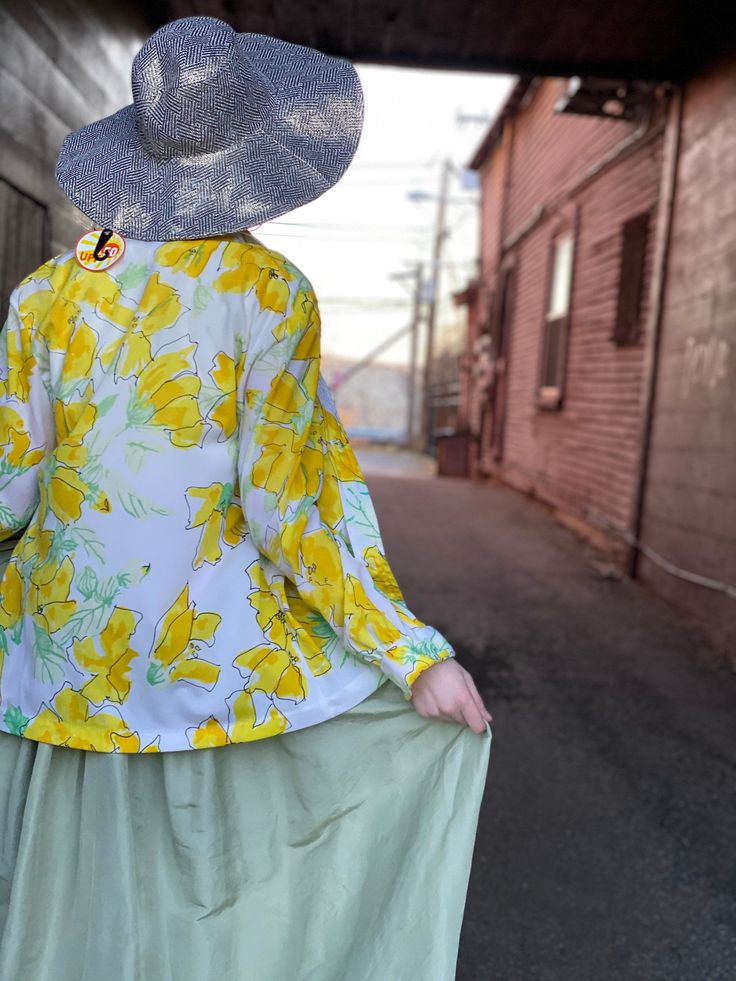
[(671, 157)]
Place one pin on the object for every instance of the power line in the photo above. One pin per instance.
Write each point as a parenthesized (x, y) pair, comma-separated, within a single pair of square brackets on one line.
[(363, 303), (350, 226)]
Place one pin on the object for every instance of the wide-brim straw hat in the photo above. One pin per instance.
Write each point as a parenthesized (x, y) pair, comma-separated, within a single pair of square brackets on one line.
[(225, 131)]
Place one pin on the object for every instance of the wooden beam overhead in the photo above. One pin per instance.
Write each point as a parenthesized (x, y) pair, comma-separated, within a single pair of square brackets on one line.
[(659, 39)]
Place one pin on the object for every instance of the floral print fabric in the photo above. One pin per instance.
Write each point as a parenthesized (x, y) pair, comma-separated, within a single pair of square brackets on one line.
[(201, 562)]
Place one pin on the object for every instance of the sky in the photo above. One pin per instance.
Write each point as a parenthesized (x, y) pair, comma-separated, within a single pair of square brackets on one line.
[(352, 240)]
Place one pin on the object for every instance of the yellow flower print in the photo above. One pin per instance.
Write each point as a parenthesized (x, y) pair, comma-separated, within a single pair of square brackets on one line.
[(268, 606), (381, 573), (305, 319), (286, 400), (322, 568), (275, 612), (190, 257), (178, 640), (243, 723), (15, 443), (250, 267), (97, 289), (270, 670), (208, 734), (212, 510), (368, 625), (70, 723), (48, 594), (314, 634), (20, 361), (226, 375), (67, 489), (342, 458), (79, 356), (108, 658), (159, 308), (282, 470), (73, 422), (11, 597), (54, 317), (330, 502), (67, 492), (166, 395), (423, 661)]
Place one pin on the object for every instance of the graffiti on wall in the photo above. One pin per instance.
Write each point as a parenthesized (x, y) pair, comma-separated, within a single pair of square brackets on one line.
[(706, 363)]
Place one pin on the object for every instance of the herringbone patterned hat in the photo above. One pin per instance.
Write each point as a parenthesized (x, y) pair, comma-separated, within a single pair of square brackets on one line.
[(226, 131)]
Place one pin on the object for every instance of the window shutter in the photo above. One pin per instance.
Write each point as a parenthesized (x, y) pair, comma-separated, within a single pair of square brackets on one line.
[(631, 280)]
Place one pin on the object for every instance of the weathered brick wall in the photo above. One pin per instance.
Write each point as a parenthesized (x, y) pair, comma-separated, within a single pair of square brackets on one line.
[(690, 504), (581, 459)]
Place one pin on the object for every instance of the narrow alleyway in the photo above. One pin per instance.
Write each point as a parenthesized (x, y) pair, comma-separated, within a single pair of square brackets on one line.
[(606, 842)]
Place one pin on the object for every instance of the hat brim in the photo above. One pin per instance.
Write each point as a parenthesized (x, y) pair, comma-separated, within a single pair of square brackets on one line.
[(304, 149)]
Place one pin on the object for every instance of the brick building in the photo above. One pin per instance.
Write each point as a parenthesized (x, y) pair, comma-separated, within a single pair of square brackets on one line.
[(599, 360)]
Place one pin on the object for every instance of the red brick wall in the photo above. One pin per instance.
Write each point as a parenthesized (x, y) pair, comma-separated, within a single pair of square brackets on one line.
[(582, 458), (690, 504)]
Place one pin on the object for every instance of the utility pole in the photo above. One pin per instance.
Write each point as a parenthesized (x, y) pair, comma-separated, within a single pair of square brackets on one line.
[(439, 236), (416, 313)]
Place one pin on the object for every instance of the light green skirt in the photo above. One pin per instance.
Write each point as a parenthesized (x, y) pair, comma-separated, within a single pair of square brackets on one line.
[(340, 852)]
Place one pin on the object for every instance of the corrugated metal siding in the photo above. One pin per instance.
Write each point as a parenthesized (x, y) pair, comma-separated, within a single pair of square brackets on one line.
[(582, 458), (62, 64), (690, 503)]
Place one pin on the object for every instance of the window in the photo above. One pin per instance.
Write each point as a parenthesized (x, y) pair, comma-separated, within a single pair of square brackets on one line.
[(627, 328), (556, 320), (23, 240)]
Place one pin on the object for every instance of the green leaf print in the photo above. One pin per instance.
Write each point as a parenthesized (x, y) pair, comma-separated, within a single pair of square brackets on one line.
[(202, 297), (364, 516), (132, 276), (49, 658), (138, 413), (155, 674), (137, 506), (135, 455), (209, 396), (87, 582), (15, 720), (104, 406), (7, 516)]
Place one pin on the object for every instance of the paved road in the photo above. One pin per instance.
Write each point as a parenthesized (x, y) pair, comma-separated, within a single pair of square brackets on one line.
[(606, 848)]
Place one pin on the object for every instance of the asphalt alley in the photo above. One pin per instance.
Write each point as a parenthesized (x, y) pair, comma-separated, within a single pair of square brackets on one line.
[(607, 841)]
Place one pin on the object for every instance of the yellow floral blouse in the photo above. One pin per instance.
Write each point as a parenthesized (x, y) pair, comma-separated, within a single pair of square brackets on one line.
[(201, 562)]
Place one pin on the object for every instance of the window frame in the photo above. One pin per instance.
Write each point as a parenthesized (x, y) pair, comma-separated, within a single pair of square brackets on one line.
[(550, 397)]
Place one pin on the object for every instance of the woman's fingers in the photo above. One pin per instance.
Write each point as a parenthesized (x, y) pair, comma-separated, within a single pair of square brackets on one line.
[(448, 691), (478, 699), (472, 715)]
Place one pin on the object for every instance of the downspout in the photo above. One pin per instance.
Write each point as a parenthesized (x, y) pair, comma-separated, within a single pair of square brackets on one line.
[(673, 137)]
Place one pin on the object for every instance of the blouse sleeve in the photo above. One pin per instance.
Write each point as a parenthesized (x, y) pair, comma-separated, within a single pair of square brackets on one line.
[(26, 421), (308, 508)]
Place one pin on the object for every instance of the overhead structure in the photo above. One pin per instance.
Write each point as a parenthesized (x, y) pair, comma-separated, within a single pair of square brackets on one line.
[(626, 39)]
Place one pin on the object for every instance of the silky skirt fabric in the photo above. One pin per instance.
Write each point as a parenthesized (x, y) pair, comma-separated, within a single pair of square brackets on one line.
[(339, 852)]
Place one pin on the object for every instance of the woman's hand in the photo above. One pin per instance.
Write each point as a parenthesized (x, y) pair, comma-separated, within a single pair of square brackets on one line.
[(447, 691)]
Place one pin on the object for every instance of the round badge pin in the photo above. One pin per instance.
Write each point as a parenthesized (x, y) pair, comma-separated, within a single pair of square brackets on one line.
[(99, 249)]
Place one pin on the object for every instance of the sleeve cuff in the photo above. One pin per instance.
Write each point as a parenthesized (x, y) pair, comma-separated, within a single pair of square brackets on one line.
[(404, 675)]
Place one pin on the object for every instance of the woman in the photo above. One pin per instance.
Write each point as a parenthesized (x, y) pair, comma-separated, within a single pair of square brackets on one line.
[(201, 570)]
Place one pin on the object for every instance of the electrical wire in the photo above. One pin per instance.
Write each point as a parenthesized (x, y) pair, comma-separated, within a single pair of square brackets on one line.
[(600, 521)]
